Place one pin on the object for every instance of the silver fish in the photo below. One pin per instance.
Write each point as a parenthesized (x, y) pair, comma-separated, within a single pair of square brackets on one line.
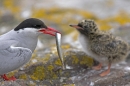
[(59, 50)]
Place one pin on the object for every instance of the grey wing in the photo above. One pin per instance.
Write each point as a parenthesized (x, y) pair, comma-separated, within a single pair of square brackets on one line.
[(109, 47), (12, 57)]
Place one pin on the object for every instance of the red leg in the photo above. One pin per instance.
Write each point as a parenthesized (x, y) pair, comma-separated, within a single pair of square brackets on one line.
[(8, 79), (98, 67), (104, 73)]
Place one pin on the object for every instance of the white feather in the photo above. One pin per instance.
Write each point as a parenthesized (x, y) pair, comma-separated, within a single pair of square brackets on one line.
[(16, 48), (86, 48)]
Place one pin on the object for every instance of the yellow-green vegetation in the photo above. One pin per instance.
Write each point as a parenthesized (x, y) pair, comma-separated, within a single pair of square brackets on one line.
[(62, 17), (85, 60), (11, 6), (41, 73), (69, 85), (75, 59), (108, 23), (121, 18), (82, 60), (103, 24), (50, 67), (46, 70), (11, 74), (58, 62), (65, 46), (50, 72), (23, 76), (45, 59), (34, 54), (38, 73)]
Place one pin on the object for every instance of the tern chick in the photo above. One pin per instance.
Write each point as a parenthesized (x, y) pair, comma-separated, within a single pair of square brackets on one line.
[(100, 45)]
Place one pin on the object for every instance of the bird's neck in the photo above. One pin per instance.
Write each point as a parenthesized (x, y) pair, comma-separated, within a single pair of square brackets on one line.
[(28, 42), (24, 40), (92, 35)]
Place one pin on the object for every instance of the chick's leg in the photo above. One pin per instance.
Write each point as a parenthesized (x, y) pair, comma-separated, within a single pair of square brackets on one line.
[(104, 73), (98, 67)]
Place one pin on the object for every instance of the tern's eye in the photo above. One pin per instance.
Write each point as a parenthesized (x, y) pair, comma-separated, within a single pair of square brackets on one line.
[(37, 26)]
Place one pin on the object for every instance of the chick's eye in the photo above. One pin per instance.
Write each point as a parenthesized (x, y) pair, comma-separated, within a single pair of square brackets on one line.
[(79, 25), (85, 26)]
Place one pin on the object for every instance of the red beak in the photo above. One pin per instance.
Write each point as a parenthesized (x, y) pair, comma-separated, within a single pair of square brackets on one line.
[(49, 30)]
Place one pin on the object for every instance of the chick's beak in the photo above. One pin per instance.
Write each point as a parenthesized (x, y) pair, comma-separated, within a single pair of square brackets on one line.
[(76, 26), (49, 30)]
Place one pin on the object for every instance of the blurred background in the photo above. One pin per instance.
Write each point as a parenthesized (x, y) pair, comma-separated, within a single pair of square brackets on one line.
[(59, 14)]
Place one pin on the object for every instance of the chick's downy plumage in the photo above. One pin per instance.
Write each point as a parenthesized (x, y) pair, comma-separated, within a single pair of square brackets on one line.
[(100, 45)]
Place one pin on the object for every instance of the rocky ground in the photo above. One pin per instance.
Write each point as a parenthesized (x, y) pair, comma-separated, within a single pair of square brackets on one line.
[(47, 71)]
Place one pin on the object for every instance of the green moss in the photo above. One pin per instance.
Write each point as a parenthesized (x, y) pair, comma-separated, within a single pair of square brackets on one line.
[(54, 76), (85, 60), (46, 58), (69, 85), (58, 62), (49, 70), (32, 84), (38, 73), (11, 74), (75, 59), (65, 46), (23, 76), (50, 67)]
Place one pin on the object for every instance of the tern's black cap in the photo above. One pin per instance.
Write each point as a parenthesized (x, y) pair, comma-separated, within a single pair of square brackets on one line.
[(31, 23)]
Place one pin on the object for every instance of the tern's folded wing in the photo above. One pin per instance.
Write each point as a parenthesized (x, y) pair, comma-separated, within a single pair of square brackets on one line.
[(12, 57)]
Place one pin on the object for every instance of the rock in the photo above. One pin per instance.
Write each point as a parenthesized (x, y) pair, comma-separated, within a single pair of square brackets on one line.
[(13, 83), (51, 69), (48, 71)]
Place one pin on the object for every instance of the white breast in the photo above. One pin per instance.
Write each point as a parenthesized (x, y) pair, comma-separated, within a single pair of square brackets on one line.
[(85, 45), (84, 41)]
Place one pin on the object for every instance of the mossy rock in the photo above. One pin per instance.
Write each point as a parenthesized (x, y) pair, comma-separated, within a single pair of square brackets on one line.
[(52, 69)]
